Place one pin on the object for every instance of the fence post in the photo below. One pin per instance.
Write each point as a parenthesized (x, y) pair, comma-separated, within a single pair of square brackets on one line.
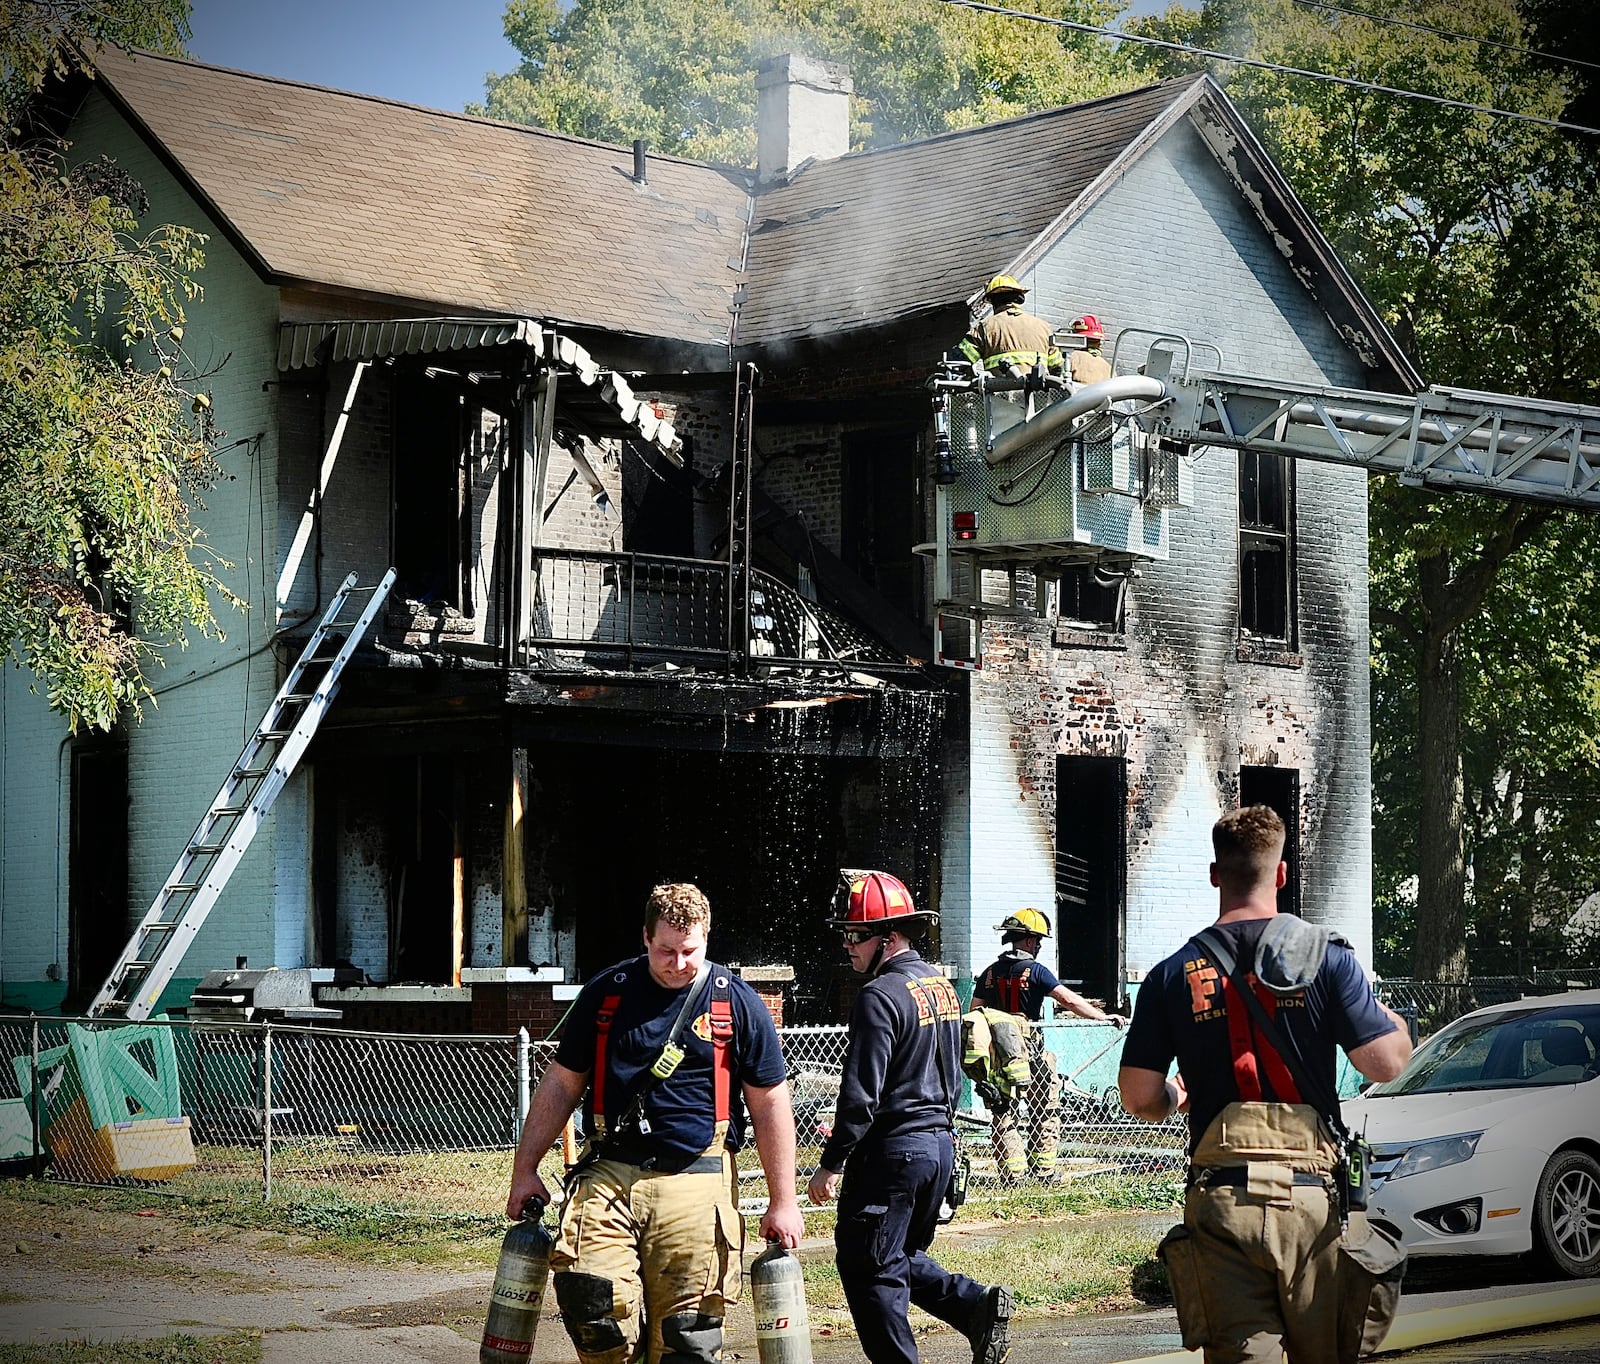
[(523, 1088), (266, 1112), (35, 1102)]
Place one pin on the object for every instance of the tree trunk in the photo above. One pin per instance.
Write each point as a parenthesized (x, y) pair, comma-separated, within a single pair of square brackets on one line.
[(1440, 951)]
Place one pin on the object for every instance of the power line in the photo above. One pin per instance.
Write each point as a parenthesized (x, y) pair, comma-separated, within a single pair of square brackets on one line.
[(1212, 55), (1447, 33)]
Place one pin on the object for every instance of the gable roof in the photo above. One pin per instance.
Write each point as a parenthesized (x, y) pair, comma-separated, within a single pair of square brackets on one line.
[(398, 203), (846, 245), (888, 233), (391, 200)]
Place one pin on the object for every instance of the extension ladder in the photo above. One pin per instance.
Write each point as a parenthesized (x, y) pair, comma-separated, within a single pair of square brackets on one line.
[(180, 907)]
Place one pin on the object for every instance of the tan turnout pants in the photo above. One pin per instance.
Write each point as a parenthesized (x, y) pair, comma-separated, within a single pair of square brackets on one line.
[(1267, 1251), (1029, 1142), (645, 1263)]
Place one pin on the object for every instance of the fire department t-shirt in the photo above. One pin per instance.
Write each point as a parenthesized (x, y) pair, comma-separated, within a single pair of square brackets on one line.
[(1180, 1013), (680, 1111), (1017, 983)]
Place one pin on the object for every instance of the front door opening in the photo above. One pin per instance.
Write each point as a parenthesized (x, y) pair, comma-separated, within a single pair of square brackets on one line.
[(1279, 788), (1091, 874)]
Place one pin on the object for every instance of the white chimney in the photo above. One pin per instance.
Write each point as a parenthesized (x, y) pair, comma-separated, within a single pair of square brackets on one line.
[(803, 111)]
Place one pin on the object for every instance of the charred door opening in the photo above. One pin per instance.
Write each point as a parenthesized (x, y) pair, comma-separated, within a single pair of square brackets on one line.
[(430, 500), (657, 502), (391, 863), (1091, 873), (1279, 788), (97, 868), (880, 517)]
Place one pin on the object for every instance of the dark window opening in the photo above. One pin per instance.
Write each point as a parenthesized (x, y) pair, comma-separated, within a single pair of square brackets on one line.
[(98, 920), (1279, 788), (657, 502), (880, 515), (1091, 874), (1266, 546), (432, 502), (1092, 598)]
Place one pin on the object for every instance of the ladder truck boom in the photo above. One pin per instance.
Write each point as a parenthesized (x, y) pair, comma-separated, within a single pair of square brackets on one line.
[(1451, 439)]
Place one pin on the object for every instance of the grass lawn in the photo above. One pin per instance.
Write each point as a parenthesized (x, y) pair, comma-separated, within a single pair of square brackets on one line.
[(177, 1349)]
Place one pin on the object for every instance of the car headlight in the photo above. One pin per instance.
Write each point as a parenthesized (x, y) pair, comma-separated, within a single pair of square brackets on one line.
[(1436, 1154)]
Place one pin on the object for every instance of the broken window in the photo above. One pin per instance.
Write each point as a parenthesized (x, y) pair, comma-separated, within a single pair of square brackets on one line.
[(1279, 789), (1266, 546), (1091, 598)]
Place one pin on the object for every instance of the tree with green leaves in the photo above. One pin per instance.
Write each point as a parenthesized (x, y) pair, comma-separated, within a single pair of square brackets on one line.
[(1476, 236), (679, 73), (105, 432)]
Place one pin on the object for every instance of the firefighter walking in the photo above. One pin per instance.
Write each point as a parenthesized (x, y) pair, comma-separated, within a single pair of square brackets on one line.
[(893, 1134), (672, 1050), (1018, 983), (1264, 1261)]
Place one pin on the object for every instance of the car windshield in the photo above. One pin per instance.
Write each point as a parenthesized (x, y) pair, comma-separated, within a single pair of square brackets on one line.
[(1546, 1045)]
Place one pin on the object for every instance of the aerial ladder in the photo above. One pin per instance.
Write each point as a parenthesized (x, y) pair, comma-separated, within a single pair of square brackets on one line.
[(225, 831), (1028, 468)]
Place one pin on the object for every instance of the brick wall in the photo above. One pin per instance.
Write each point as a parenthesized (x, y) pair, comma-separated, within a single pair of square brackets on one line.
[(1173, 247), (498, 1008)]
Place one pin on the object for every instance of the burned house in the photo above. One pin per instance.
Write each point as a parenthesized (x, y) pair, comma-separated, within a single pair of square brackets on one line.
[(648, 444)]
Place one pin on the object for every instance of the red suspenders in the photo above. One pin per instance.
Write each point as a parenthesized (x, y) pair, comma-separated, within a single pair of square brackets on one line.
[(721, 1060), (602, 1034), (721, 1011), (1248, 1048)]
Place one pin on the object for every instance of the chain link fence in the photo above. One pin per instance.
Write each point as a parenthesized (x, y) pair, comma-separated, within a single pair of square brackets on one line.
[(1429, 1004), (426, 1125)]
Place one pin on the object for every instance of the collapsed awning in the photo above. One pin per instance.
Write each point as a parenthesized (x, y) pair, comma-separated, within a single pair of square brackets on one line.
[(605, 401)]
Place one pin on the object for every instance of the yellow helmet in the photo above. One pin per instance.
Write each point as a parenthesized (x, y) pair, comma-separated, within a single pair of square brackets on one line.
[(1004, 284), (1033, 922)]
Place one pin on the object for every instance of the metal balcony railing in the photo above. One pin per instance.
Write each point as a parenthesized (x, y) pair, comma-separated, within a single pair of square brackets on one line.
[(632, 610)]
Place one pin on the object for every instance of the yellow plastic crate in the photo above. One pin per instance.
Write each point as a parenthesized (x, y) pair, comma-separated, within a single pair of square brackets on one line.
[(143, 1148)]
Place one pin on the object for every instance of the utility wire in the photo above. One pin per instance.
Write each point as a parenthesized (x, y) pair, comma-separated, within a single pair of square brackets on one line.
[(1212, 55), (1448, 33)]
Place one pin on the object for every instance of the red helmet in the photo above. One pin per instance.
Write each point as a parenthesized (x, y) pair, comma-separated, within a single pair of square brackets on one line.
[(880, 901), (1089, 325)]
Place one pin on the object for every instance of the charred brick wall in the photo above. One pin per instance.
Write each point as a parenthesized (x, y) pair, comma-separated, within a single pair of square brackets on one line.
[(1180, 697)]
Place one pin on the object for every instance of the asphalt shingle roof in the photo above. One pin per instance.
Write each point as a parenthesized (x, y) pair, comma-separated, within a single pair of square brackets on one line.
[(399, 201), (886, 233)]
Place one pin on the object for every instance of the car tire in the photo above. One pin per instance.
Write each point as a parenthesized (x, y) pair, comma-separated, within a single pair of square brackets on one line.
[(1566, 1214)]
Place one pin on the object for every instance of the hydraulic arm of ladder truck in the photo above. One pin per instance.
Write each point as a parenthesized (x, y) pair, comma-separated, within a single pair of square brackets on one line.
[(1034, 472)]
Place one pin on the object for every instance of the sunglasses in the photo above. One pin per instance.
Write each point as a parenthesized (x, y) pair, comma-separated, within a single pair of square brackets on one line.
[(854, 937)]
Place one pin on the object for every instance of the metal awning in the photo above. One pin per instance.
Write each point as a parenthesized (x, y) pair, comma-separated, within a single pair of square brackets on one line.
[(606, 400)]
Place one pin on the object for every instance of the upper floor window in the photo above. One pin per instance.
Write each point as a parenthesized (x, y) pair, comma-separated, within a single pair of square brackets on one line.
[(1266, 546), (1091, 598)]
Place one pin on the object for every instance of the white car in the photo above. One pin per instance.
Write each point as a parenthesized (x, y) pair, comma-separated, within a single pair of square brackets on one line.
[(1488, 1143)]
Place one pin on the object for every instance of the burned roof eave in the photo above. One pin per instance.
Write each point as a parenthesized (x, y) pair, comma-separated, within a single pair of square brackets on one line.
[(1309, 254)]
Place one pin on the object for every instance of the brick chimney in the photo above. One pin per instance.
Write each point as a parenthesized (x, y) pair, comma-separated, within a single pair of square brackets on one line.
[(803, 112)]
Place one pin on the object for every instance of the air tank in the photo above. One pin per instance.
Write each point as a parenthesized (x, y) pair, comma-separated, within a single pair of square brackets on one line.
[(778, 1293), (518, 1293)]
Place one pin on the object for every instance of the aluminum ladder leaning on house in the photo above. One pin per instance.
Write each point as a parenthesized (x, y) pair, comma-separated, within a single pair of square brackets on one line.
[(152, 956)]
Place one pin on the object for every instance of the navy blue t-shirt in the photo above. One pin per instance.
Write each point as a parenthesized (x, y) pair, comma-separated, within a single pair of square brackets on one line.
[(1016, 983), (680, 1110), (1180, 1013)]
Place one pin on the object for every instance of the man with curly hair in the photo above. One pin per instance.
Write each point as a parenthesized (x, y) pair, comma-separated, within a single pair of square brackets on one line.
[(650, 1245)]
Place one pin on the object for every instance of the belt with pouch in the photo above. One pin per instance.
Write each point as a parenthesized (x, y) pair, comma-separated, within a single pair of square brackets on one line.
[(658, 1163), (1238, 1176)]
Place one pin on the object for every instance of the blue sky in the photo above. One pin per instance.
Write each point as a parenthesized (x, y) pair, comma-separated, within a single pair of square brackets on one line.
[(433, 52)]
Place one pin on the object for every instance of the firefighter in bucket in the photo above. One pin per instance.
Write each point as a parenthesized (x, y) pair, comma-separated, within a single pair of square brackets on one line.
[(1008, 998), (672, 1050)]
